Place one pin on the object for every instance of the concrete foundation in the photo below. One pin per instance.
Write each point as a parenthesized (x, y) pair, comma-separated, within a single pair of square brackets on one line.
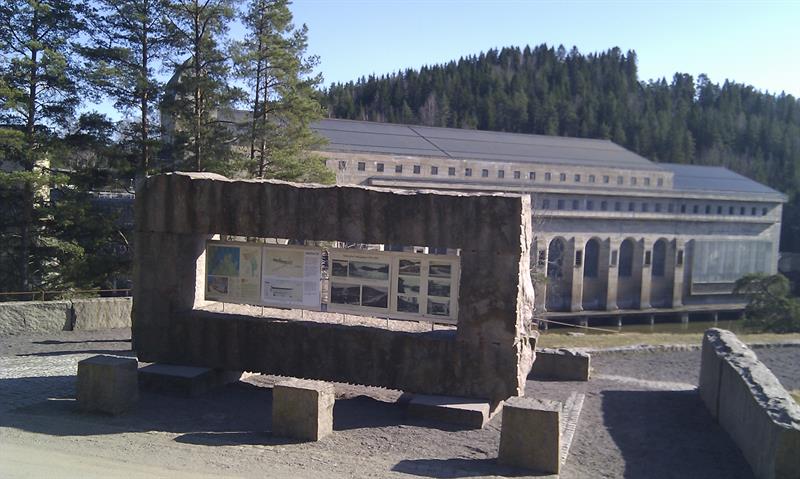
[(488, 357), (751, 405), (561, 365), (471, 413), (530, 435), (302, 409), (101, 313), (107, 384), (186, 381)]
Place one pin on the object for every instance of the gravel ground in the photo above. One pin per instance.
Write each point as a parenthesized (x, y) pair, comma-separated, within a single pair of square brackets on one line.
[(642, 418)]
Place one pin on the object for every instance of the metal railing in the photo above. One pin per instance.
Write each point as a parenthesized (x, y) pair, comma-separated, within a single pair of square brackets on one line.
[(43, 295)]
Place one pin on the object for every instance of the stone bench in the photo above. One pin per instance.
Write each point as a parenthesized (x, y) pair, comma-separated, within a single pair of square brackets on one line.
[(107, 384), (561, 365), (530, 435), (302, 409)]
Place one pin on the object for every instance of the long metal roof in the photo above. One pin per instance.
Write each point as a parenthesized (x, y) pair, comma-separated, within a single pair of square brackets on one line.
[(714, 179), (411, 140)]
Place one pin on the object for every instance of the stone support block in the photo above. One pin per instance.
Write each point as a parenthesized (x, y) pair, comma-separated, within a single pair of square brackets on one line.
[(302, 409), (101, 313), (530, 435), (561, 365), (107, 384), (31, 317), (468, 412), (186, 381), (751, 405)]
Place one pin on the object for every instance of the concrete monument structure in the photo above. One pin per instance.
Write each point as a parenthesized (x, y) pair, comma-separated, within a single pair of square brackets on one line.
[(488, 356)]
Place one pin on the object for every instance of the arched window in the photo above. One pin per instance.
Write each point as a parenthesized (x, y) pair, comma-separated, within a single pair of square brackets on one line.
[(555, 258), (626, 259), (659, 257), (591, 259)]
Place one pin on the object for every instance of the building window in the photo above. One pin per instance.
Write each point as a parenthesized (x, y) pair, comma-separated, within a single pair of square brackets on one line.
[(578, 258), (591, 178), (617, 206), (589, 205), (648, 258), (485, 173), (467, 171), (542, 258), (592, 260), (658, 207), (730, 210), (575, 204), (545, 204), (670, 207), (379, 167), (417, 169), (577, 178), (517, 175), (532, 176), (451, 171), (398, 168), (613, 261), (626, 259), (606, 179), (659, 257), (548, 176), (708, 209), (633, 181), (695, 209), (679, 258), (619, 180), (645, 207), (631, 206), (501, 174), (660, 182), (763, 212), (562, 177), (719, 209), (647, 181), (362, 166), (741, 210), (434, 170), (342, 165), (683, 208), (560, 204), (604, 205)]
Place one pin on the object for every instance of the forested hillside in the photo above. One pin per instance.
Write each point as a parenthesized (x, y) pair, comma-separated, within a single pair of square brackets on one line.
[(551, 91)]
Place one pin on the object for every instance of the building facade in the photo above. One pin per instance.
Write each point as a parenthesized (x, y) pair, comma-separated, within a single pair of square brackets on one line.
[(614, 232)]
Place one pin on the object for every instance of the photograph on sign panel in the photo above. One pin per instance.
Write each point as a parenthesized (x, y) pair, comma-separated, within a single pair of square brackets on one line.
[(223, 261), (374, 297), (283, 263), (277, 290), (409, 267), (339, 268), (408, 284), (366, 270), (345, 294), (439, 270), (217, 285), (438, 287), (439, 308), (407, 304)]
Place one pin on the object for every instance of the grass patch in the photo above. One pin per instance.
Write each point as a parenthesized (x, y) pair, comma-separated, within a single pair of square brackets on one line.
[(550, 339)]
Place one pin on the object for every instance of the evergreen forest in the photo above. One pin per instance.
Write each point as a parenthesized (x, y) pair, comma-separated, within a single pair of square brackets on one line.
[(552, 91)]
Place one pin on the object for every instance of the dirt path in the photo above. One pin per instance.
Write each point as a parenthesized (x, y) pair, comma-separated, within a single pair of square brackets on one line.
[(642, 418)]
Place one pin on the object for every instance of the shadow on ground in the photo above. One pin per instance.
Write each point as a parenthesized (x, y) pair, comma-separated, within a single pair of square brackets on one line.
[(460, 467), (670, 434)]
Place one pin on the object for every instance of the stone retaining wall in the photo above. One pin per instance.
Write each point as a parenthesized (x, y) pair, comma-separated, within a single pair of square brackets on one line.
[(751, 405), (25, 317)]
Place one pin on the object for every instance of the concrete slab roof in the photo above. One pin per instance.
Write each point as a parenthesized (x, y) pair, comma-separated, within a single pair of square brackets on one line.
[(715, 179), (412, 140)]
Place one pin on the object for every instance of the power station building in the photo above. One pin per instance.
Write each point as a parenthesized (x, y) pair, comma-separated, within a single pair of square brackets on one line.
[(615, 233)]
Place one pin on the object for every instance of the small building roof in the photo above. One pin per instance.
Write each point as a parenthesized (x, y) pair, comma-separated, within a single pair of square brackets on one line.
[(715, 179), (412, 140)]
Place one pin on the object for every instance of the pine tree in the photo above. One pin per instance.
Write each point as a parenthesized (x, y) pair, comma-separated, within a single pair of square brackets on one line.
[(272, 60)]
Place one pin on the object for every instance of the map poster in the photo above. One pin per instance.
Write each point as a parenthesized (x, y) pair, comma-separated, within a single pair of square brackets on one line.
[(291, 277), (233, 272)]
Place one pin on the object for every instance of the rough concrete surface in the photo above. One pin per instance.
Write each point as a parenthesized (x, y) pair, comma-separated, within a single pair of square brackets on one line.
[(531, 434), (101, 313), (31, 317), (562, 365), (466, 412), (641, 418), (751, 405), (107, 384), (302, 409)]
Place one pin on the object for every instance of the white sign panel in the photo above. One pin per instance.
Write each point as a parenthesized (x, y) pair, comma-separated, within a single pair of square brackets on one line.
[(291, 277), (233, 273)]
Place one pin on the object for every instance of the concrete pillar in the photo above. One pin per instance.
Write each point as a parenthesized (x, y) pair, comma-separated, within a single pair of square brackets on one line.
[(612, 274), (578, 248), (583, 321), (530, 434), (647, 273), (677, 286), (651, 320), (715, 315), (107, 384), (619, 321), (685, 318), (302, 409), (540, 273)]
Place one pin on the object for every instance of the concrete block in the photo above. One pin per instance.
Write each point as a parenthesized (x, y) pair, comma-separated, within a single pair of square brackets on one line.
[(25, 317), (530, 434), (302, 409), (101, 313), (469, 412), (561, 365), (187, 381), (107, 384)]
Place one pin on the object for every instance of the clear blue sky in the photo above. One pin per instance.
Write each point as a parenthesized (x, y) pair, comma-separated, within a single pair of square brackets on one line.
[(752, 42)]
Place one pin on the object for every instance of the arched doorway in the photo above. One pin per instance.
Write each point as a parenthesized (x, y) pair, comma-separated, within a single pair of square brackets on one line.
[(663, 277), (559, 276), (629, 281), (595, 273)]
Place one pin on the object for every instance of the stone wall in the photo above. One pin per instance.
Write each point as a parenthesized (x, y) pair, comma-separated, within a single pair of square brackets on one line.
[(489, 355), (25, 317), (751, 405)]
